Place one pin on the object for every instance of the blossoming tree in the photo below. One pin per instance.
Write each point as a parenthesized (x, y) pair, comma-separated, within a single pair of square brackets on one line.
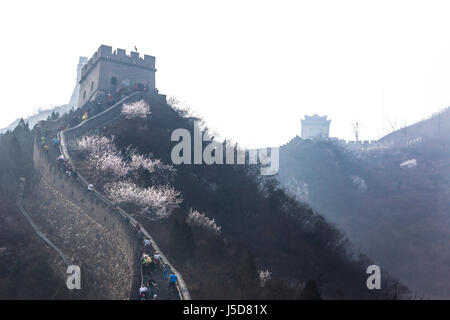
[(103, 156), (157, 201), (264, 276), (201, 220), (138, 109), (108, 163)]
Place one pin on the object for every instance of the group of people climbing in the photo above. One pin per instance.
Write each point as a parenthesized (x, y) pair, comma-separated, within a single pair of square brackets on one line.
[(44, 143), (151, 260), (117, 94), (148, 290), (65, 166), (152, 263)]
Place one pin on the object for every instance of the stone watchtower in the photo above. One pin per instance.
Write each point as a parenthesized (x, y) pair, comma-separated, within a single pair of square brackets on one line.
[(110, 72), (315, 127)]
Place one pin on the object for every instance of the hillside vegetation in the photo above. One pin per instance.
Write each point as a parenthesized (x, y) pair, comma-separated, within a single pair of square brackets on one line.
[(25, 262), (261, 227), (393, 202)]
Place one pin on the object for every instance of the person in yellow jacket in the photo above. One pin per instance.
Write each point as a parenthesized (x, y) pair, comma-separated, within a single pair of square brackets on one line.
[(146, 262), (85, 116)]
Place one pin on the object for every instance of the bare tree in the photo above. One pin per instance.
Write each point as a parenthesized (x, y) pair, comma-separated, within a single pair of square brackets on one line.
[(393, 125)]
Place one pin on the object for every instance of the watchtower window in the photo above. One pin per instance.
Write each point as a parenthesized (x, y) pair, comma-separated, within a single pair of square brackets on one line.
[(113, 81), (84, 94), (92, 85)]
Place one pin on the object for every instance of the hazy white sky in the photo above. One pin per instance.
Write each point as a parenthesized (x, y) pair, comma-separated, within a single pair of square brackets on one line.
[(252, 69)]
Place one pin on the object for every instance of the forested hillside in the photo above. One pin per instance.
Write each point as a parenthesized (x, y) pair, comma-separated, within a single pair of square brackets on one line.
[(227, 225), (392, 200), (25, 271)]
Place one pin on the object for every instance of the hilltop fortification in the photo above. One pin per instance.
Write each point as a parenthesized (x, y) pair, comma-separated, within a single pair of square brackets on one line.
[(112, 72)]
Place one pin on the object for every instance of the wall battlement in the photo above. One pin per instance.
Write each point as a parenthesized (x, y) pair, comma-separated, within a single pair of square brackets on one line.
[(315, 127), (119, 226), (85, 229), (120, 56), (362, 144), (115, 74), (68, 136)]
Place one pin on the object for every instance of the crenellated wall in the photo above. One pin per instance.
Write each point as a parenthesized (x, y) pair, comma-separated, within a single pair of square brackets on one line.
[(119, 55), (107, 71), (87, 230), (91, 124), (107, 115)]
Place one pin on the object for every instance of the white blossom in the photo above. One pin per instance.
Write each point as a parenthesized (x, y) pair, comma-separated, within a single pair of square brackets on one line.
[(95, 143), (201, 220), (140, 161), (151, 165), (359, 182), (103, 156), (109, 163), (161, 201), (138, 109), (409, 163), (264, 276), (298, 189)]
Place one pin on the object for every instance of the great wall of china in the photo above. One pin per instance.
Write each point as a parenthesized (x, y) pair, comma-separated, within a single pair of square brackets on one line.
[(91, 227), (365, 145)]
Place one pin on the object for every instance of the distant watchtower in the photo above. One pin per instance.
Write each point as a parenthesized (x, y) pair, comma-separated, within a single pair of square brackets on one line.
[(315, 127), (110, 72)]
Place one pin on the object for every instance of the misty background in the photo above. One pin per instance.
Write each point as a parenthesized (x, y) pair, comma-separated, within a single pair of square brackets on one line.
[(252, 69)]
